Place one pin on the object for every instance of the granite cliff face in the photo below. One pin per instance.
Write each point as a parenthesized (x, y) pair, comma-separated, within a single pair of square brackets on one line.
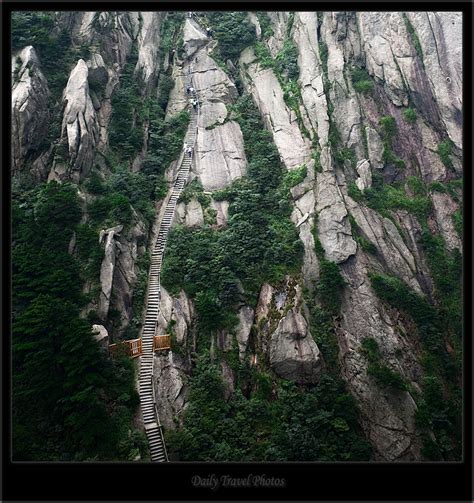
[(355, 72)]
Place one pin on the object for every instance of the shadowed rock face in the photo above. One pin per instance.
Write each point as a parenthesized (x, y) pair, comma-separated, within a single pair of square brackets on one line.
[(293, 353), (30, 116)]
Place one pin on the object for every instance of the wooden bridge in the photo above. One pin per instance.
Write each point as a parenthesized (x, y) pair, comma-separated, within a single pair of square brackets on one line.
[(150, 342), (133, 347)]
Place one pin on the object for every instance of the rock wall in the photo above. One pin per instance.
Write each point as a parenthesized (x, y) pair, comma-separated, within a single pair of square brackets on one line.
[(413, 59), (30, 95)]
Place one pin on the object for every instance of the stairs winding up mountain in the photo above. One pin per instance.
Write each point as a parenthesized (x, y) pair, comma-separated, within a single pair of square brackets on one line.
[(147, 395)]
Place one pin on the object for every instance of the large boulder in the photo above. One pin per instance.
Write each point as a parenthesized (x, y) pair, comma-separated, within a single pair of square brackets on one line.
[(169, 376), (80, 122), (293, 353), (30, 95), (107, 268), (333, 225), (246, 316), (193, 37)]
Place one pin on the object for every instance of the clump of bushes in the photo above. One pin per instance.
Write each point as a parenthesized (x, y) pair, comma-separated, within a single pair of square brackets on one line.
[(445, 149), (389, 130), (383, 375), (409, 115), (260, 242), (233, 31), (362, 81)]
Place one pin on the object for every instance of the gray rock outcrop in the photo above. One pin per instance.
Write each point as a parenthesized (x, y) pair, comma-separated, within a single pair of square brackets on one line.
[(246, 315), (268, 96), (30, 116), (80, 123), (107, 268), (292, 351), (444, 208), (148, 46), (169, 375), (388, 417), (333, 224)]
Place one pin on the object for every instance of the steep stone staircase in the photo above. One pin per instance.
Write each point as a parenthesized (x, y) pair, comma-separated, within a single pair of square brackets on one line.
[(147, 394)]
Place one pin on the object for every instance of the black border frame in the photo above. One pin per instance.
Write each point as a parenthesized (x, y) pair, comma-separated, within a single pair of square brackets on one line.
[(374, 481)]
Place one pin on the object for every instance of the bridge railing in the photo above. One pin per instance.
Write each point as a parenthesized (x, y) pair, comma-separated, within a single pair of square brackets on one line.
[(132, 347), (161, 342)]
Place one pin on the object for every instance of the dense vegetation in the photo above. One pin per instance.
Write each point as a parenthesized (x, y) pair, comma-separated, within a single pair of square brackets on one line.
[(70, 402), (265, 418), (299, 425), (260, 243), (233, 31)]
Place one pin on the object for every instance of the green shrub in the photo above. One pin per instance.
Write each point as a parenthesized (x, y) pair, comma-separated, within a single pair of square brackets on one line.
[(445, 149), (437, 187), (389, 127), (166, 84), (458, 222), (345, 154), (287, 59), (293, 178), (95, 184), (414, 37), (233, 31), (383, 375), (323, 54), (409, 115), (263, 54), (330, 285), (126, 133), (416, 185), (265, 24), (362, 81), (354, 192)]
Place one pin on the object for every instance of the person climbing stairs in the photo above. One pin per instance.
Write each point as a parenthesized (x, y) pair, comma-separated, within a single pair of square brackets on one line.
[(148, 403)]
